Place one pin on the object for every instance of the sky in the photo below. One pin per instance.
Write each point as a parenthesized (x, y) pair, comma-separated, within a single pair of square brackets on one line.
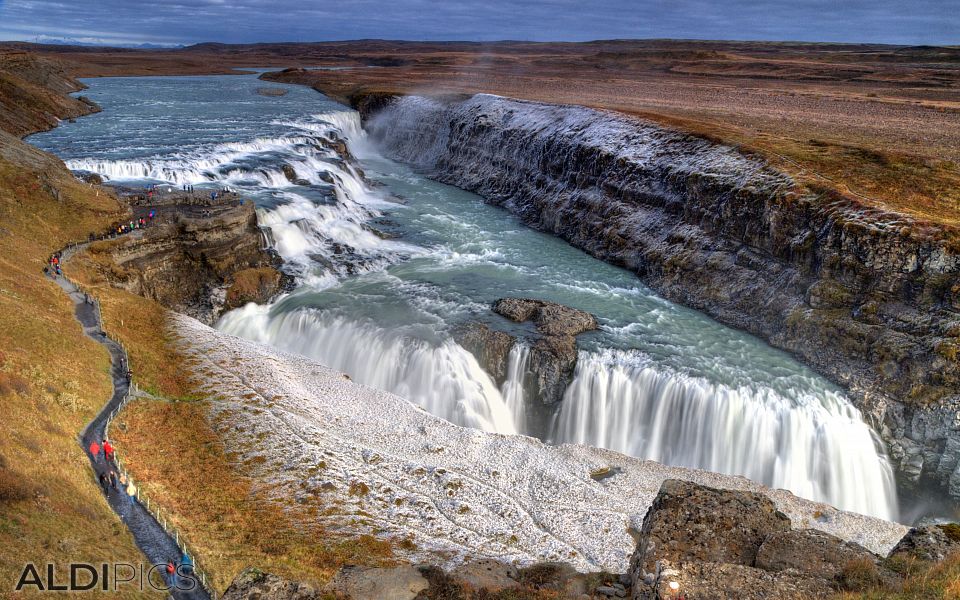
[(129, 22)]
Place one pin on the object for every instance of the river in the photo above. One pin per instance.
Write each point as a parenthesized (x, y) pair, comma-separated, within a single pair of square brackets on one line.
[(389, 266)]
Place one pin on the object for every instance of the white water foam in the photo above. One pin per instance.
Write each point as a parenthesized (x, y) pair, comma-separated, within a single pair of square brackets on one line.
[(817, 447), (444, 379)]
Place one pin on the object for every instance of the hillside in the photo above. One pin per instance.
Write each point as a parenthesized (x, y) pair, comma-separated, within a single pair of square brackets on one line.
[(53, 379)]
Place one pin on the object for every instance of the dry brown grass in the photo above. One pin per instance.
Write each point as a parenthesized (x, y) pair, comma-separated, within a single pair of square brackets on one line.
[(880, 126), (251, 283), (182, 465), (140, 323), (53, 379), (922, 581)]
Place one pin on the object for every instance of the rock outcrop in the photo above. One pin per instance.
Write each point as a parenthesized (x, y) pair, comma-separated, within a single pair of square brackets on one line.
[(870, 299), (396, 583), (197, 263), (490, 347), (929, 542), (34, 93), (553, 355), (709, 543), (254, 584), (553, 347)]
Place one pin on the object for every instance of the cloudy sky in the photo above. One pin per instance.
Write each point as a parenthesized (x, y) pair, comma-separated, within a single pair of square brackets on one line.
[(191, 21)]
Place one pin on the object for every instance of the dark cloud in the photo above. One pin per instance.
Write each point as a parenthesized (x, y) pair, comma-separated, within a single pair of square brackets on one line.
[(182, 21)]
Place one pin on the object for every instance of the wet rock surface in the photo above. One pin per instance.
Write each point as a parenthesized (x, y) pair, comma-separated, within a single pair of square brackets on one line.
[(550, 318), (867, 298), (553, 355), (489, 346)]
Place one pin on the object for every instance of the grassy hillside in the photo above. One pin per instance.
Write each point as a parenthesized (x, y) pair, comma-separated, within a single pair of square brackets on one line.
[(53, 379)]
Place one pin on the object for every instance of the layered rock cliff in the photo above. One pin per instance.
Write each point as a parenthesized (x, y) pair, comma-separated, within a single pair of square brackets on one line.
[(197, 264), (870, 299)]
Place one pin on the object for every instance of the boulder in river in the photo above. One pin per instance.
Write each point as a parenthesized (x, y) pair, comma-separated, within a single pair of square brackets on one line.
[(550, 318), (554, 355)]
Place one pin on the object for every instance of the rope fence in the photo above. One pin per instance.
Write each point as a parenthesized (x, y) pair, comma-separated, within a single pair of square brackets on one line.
[(152, 507)]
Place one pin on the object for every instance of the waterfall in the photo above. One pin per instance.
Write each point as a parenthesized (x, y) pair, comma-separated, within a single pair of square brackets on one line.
[(816, 447), (814, 444), (512, 390), (301, 223), (443, 378)]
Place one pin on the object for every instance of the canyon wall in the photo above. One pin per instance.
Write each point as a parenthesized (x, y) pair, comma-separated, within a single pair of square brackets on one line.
[(869, 299)]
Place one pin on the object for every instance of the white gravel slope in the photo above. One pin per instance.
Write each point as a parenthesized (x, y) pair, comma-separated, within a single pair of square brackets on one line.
[(457, 492)]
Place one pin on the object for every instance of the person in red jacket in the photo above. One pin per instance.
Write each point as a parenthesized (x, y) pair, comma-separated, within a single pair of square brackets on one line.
[(107, 450), (172, 573), (95, 450)]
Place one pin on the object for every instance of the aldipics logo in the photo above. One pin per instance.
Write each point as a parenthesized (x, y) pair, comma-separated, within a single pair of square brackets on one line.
[(106, 577)]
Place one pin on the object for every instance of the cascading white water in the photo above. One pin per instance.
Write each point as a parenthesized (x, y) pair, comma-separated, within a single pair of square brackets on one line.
[(393, 332), (301, 227), (810, 446), (444, 378), (518, 364)]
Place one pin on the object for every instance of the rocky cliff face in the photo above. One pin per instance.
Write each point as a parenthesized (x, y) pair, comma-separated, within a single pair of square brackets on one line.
[(871, 300), (552, 348), (197, 265)]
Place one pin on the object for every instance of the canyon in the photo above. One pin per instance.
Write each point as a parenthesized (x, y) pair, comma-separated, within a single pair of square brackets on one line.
[(868, 298)]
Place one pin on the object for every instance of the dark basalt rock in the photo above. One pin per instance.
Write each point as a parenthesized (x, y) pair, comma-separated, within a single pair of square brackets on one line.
[(489, 346), (870, 299), (551, 318), (554, 355)]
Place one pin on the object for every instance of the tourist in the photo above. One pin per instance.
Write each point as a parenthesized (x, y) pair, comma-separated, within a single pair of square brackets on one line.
[(105, 483), (172, 573), (186, 564), (95, 450), (132, 491), (107, 450), (113, 479)]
